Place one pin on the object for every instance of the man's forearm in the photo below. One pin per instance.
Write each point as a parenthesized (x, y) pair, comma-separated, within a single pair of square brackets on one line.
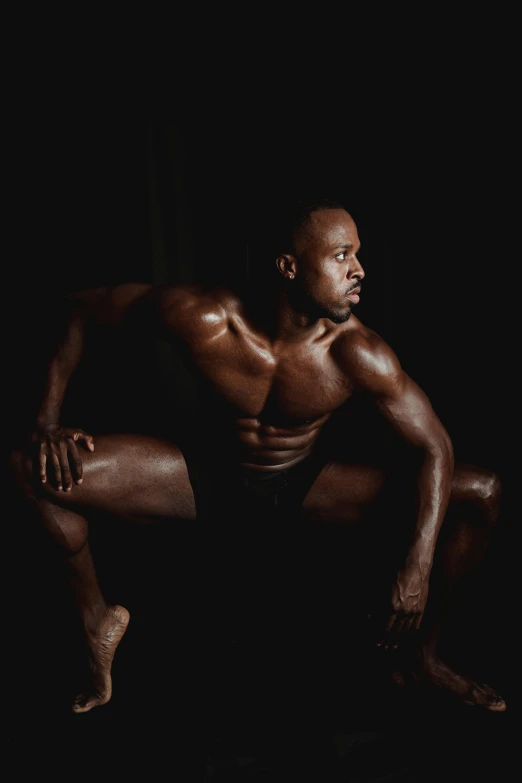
[(434, 487), (60, 368)]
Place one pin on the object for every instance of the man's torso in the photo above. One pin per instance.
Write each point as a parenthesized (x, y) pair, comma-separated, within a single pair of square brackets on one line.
[(272, 396)]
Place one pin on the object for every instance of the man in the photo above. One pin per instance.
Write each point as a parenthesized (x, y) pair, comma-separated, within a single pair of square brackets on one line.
[(276, 364)]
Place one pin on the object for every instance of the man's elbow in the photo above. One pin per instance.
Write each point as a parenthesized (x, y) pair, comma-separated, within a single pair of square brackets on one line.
[(442, 450)]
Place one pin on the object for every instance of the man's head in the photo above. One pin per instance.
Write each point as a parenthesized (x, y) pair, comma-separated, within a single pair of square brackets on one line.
[(317, 259)]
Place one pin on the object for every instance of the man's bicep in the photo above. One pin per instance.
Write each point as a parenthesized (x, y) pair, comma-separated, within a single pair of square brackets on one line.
[(170, 312), (157, 311), (108, 305), (378, 373), (408, 409)]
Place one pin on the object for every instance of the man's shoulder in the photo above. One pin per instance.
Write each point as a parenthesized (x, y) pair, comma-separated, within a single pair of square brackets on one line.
[(200, 297), (355, 338), (361, 350), (196, 305)]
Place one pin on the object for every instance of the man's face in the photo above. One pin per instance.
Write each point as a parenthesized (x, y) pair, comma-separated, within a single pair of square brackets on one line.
[(328, 272)]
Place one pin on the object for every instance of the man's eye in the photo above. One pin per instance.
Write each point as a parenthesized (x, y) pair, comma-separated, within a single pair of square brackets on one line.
[(342, 255)]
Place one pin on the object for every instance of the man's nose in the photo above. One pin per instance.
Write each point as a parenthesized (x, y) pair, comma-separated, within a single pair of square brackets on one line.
[(355, 270)]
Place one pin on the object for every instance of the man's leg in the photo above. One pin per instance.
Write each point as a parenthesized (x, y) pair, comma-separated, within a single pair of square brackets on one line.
[(463, 541), (137, 478), (351, 494)]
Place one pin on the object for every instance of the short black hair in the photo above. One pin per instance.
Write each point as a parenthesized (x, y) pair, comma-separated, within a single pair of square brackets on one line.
[(294, 218), (273, 229)]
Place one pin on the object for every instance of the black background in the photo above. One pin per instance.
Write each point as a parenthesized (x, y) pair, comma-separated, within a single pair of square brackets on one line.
[(432, 186)]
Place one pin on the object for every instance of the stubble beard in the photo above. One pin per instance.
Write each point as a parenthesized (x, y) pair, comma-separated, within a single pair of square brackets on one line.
[(339, 318), (304, 302)]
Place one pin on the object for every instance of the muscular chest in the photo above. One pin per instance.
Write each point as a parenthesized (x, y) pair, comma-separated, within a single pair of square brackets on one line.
[(300, 380)]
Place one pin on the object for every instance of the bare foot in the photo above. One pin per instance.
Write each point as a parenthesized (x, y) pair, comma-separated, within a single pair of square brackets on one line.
[(428, 670), (468, 691), (102, 647)]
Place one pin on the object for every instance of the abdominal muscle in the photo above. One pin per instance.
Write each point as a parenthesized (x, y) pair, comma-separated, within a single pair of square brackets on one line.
[(266, 447)]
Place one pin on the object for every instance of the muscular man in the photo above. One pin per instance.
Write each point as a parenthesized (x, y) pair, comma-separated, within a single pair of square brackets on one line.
[(275, 370)]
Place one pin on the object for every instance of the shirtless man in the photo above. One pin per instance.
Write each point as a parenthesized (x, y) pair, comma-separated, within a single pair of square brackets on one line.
[(274, 369)]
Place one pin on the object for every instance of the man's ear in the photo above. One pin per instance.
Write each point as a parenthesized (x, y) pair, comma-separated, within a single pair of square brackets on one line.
[(287, 265)]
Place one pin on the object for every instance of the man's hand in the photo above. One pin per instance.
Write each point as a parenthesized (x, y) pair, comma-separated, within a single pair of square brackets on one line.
[(57, 452), (408, 601)]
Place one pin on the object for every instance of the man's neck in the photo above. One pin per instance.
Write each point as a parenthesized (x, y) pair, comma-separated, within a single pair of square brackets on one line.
[(273, 312)]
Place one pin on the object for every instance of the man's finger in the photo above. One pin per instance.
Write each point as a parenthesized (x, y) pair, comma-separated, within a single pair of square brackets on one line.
[(66, 470), (384, 637), (88, 440), (66, 475), (399, 628), (42, 462), (76, 462), (57, 469)]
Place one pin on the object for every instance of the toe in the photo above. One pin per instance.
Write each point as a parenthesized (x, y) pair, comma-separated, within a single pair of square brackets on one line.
[(484, 696)]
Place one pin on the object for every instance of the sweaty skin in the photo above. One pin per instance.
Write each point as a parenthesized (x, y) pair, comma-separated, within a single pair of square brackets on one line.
[(275, 370)]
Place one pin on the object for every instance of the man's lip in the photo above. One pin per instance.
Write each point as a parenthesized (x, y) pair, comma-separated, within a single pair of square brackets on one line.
[(354, 294)]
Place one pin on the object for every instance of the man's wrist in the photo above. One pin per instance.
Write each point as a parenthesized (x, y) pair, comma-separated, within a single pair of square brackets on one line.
[(47, 424), (420, 558)]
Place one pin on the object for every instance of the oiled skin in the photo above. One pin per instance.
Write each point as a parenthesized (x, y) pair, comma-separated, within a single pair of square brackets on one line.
[(275, 371)]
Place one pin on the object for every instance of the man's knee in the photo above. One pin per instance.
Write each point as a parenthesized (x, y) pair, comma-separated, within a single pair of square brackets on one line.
[(70, 532), (485, 489), (490, 490)]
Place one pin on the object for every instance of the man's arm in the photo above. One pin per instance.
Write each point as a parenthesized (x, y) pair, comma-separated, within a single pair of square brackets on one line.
[(376, 370), (108, 306), (56, 445)]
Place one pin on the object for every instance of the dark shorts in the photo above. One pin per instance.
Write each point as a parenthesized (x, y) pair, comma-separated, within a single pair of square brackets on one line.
[(223, 490)]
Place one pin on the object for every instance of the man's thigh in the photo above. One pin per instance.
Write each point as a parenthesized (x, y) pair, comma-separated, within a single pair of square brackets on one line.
[(132, 476), (359, 520), (343, 493)]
